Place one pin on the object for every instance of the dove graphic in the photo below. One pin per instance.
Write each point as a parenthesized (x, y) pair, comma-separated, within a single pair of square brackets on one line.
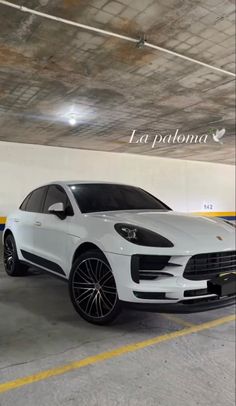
[(218, 135)]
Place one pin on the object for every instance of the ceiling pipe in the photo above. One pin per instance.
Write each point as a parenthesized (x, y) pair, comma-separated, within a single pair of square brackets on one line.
[(112, 34)]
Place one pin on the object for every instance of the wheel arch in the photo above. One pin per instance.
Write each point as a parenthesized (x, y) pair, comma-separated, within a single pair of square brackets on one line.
[(84, 247), (6, 232)]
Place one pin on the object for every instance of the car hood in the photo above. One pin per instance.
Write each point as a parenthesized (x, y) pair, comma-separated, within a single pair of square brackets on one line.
[(179, 228)]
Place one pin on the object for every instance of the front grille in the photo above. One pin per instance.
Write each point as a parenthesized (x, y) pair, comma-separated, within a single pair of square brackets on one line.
[(207, 266)]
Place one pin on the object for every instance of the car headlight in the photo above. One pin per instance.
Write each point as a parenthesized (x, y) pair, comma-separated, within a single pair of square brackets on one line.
[(142, 236), (230, 224)]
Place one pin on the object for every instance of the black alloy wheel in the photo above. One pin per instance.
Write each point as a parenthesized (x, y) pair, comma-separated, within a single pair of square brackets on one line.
[(93, 289), (13, 266)]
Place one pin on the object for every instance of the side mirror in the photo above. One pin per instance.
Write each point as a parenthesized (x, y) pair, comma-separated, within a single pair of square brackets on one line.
[(58, 209)]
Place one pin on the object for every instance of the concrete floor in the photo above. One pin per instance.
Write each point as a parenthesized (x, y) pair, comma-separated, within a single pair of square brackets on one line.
[(39, 330)]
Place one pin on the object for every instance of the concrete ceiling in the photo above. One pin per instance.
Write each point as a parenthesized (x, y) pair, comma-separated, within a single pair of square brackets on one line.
[(49, 71)]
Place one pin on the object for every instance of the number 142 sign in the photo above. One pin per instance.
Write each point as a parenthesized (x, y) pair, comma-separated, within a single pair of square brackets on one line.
[(208, 206)]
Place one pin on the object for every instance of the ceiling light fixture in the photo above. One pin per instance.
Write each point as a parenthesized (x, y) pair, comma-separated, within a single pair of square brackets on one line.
[(72, 120)]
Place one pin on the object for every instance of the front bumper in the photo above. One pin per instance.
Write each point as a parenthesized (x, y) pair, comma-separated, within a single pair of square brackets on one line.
[(168, 293)]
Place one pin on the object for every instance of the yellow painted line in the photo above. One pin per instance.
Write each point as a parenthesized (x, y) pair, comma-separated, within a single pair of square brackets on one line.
[(94, 359), (216, 213), (3, 220), (177, 320)]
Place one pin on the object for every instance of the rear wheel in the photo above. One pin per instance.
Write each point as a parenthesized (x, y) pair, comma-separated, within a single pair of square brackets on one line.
[(13, 266), (93, 289)]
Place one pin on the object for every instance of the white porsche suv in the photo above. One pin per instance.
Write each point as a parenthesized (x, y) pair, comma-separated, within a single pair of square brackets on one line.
[(119, 246)]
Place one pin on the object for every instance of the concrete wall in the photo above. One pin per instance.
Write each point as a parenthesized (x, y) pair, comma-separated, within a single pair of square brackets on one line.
[(183, 185)]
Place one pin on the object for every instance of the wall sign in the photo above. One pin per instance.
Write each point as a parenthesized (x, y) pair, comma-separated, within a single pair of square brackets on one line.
[(208, 206)]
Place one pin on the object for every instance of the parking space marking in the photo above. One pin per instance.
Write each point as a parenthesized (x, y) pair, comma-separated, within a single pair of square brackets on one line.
[(94, 359), (177, 320)]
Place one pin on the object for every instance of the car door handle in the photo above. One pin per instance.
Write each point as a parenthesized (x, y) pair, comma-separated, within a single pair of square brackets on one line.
[(16, 220), (37, 223)]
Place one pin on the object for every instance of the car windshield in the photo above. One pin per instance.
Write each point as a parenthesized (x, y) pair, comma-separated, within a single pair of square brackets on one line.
[(110, 197)]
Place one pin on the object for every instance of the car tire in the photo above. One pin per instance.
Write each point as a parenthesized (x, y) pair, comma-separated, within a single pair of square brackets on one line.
[(12, 265), (93, 289)]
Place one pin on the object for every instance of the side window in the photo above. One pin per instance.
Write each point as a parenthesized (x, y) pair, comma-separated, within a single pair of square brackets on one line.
[(56, 194), (35, 201), (24, 204)]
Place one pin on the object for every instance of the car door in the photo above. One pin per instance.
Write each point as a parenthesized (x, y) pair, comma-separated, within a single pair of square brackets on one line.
[(52, 235), (25, 222)]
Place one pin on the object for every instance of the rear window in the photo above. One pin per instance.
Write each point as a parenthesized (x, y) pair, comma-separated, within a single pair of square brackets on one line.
[(24, 204), (34, 201)]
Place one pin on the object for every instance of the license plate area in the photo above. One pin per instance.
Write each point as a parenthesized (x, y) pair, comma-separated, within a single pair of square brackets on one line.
[(223, 285)]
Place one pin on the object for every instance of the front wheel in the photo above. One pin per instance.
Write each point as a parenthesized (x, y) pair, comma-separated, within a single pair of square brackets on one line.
[(93, 289), (13, 266)]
